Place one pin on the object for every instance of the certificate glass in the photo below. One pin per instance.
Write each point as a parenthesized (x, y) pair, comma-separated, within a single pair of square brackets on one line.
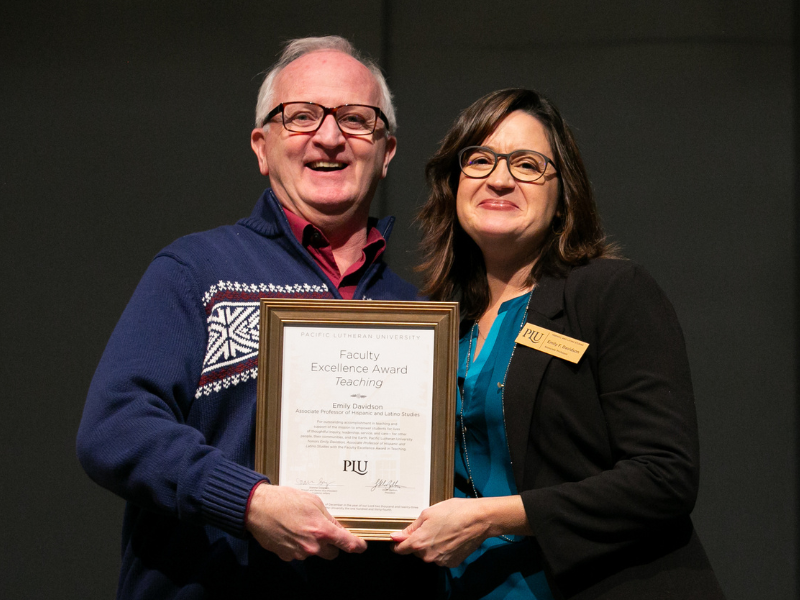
[(356, 403)]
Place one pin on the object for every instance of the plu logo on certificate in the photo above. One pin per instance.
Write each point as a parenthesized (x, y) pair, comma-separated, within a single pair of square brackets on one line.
[(355, 466)]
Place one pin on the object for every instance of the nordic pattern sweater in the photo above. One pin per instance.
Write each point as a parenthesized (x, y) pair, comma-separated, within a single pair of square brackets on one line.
[(169, 419)]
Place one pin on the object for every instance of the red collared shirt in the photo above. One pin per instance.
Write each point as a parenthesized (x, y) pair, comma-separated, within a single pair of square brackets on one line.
[(313, 240)]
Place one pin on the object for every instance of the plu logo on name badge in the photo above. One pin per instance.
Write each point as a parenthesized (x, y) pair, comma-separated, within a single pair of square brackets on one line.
[(551, 343)]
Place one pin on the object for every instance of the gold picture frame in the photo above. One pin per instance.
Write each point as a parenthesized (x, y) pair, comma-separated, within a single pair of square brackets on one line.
[(360, 335)]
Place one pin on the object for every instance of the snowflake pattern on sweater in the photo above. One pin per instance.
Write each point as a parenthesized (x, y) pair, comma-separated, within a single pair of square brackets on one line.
[(232, 310)]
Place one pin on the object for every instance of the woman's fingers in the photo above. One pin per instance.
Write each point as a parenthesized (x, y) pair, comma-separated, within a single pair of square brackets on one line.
[(445, 533)]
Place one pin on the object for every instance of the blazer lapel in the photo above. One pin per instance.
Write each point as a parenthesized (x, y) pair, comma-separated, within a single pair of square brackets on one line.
[(526, 370)]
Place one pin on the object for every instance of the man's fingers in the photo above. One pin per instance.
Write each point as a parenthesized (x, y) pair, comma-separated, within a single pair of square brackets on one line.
[(321, 507), (343, 539), (295, 524), (328, 552)]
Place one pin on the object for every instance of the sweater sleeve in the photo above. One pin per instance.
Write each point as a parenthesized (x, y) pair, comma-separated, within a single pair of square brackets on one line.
[(644, 389), (134, 438)]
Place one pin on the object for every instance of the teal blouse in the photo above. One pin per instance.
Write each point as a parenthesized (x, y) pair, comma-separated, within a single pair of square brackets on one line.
[(509, 566)]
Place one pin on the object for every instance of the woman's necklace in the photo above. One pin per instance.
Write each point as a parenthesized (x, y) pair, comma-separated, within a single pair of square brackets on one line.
[(502, 387)]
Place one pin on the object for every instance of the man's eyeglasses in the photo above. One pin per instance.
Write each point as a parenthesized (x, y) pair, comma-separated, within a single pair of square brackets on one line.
[(307, 117), (478, 162)]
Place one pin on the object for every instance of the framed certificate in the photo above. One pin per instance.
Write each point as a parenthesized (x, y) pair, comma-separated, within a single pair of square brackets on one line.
[(356, 403)]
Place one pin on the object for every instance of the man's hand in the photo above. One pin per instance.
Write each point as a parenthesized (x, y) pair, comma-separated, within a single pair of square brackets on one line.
[(295, 525)]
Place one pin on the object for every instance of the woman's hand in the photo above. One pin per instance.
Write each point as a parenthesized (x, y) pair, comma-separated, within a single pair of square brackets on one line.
[(448, 532)]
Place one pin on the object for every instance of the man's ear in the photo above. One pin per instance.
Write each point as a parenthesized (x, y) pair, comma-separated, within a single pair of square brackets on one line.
[(258, 142), (391, 148)]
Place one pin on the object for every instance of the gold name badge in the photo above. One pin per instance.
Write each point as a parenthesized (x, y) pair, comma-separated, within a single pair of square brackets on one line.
[(551, 342)]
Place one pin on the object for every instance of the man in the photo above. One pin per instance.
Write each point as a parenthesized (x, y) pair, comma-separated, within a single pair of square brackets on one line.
[(168, 423)]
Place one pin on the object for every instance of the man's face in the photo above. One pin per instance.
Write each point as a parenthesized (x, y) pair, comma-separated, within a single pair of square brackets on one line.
[(325, 173)]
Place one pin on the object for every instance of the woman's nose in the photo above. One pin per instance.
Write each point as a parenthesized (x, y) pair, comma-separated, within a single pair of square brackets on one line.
[(501, 176)]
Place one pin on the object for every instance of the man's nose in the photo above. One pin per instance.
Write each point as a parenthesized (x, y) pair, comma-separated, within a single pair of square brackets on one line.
[(329, 133)]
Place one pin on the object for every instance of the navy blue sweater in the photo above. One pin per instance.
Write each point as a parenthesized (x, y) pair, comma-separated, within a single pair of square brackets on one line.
[(169, 419)]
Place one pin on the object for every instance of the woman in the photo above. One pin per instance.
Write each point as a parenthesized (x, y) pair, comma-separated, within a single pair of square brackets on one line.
[(574, 478)]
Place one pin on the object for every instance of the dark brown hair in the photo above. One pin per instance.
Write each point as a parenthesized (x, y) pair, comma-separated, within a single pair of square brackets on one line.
[(453, 263)]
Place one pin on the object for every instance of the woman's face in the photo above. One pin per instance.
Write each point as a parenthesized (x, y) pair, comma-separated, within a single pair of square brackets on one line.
[(500, 213)]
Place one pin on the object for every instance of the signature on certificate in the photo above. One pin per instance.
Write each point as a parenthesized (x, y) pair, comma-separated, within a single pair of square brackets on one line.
[(320, 484), (387, 485)]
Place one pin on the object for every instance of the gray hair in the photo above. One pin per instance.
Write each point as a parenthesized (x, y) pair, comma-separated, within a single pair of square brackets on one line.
[(294, 49)]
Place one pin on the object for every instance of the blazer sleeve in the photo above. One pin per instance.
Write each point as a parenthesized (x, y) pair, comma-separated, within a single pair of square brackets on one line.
[(134, 438), (644, 390)]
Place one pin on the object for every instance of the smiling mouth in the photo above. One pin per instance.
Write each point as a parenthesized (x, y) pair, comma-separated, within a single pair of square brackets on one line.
[(324, 165), (503, 204)]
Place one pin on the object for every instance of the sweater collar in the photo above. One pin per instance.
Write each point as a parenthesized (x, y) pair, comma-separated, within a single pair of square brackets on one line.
[(269, 220)]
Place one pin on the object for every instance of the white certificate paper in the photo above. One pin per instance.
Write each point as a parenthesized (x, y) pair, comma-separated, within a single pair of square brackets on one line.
[(356, 417)]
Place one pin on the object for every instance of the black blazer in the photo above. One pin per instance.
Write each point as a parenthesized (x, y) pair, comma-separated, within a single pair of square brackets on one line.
[(605, 452)]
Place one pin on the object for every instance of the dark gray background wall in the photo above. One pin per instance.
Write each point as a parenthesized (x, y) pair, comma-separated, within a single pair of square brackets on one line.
[(124, 125)]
